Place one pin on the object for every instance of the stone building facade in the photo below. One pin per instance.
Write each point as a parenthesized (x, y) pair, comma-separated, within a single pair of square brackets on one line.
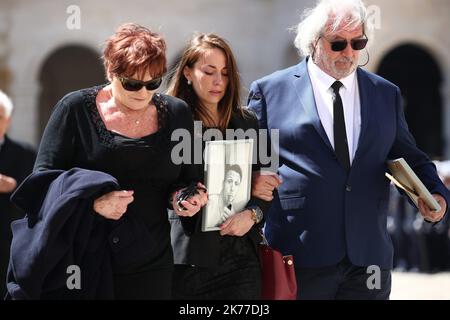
[(48, 47)]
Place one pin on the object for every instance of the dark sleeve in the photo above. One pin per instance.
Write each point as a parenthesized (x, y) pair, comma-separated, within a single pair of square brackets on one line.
[(257, 103), (17, 160), (188, 172), (56, 150), (263, 205), (405, 146), (21, 158), (28, 160), (269, 159), (183, 120)]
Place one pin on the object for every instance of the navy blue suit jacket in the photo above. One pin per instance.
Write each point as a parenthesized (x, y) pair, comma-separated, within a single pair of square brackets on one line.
[(321, 213), (60, 229)]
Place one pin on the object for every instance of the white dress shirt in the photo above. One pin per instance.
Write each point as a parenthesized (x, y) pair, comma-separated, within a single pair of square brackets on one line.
[(323, 95)]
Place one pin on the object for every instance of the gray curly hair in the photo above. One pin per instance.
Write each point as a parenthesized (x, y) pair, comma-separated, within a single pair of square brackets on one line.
[(328, 15)]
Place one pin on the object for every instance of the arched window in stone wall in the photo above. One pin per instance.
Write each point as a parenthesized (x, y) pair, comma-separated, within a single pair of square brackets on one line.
[(416, 72), (66, 69)]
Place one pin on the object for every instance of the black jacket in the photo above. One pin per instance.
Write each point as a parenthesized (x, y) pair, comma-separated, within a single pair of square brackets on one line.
[(190, 244), (60, 230)]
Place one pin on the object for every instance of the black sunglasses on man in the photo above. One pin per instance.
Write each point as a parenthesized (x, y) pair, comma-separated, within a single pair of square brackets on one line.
[(340, 45)]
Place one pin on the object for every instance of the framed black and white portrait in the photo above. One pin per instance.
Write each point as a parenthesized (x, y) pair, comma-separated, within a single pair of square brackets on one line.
[(228, 168)]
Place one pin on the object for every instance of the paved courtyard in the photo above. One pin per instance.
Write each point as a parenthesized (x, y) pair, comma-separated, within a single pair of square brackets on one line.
[(420, 286)]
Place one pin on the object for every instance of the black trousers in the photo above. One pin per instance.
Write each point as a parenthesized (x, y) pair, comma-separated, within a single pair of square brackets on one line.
[(153, 284), (222, 283), (343, 281)]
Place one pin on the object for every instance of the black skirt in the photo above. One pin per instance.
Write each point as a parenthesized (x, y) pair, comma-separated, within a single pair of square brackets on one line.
[(237, 277)]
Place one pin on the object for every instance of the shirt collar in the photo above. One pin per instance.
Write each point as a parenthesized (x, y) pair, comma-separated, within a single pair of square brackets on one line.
[(324, 80)]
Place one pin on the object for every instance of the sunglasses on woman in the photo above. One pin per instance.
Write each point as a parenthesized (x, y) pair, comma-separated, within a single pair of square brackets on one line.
[(136, 85), (340, 45)]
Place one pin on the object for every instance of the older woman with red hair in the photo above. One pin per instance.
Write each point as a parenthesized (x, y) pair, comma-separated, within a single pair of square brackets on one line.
[(124, 128)]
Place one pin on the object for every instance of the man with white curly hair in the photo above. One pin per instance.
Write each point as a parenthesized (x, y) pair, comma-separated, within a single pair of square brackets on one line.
[(338, 126)]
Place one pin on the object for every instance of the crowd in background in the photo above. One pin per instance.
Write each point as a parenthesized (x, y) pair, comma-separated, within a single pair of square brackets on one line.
[(419, 246)]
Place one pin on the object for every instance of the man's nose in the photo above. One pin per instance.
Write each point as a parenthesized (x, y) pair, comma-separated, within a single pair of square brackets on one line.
[(348, 51)]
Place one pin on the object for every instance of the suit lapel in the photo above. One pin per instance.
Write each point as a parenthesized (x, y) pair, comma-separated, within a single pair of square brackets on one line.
[(305, 93), (366, 89)]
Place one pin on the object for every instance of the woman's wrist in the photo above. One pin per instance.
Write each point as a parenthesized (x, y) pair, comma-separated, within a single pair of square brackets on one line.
[(256, 214)]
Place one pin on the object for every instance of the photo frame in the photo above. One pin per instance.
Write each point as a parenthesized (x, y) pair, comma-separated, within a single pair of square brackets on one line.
[(228, 173)]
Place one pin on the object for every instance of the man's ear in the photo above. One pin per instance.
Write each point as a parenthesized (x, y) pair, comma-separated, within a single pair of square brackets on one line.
[(314, 49)]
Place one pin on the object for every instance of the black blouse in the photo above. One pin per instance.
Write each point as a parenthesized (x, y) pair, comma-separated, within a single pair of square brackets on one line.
[(209, 249), (76, 136)]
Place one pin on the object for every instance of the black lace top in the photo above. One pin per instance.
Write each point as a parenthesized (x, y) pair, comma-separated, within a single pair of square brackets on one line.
[(76, 136)]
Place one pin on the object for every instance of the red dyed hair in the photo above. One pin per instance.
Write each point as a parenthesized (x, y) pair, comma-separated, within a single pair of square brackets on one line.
[(134, 49)]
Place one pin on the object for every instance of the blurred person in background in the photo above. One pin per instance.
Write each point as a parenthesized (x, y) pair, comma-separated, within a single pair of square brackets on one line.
[(419, 246), (16, 162)]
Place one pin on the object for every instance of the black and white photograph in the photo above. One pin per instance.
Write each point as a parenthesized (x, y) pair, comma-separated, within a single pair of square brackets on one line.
[(227, 171)]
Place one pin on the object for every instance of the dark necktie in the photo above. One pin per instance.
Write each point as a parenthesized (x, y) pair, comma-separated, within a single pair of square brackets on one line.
[(340, 136)]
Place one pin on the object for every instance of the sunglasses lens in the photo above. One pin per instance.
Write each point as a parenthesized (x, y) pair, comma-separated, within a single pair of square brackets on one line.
[(136, 85), (131, 85), (153, 84), (338, 45), (359, 44)]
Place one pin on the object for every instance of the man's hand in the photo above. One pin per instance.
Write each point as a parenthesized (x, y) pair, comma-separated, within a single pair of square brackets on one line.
[(238, 224), (7, 184), (264, 184), (433, 216)]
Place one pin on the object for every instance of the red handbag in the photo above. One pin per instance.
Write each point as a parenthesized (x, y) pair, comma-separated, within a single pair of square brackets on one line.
[(278, 275)]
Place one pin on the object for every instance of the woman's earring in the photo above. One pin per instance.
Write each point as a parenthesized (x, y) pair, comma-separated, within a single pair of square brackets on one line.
[(189, 82)]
